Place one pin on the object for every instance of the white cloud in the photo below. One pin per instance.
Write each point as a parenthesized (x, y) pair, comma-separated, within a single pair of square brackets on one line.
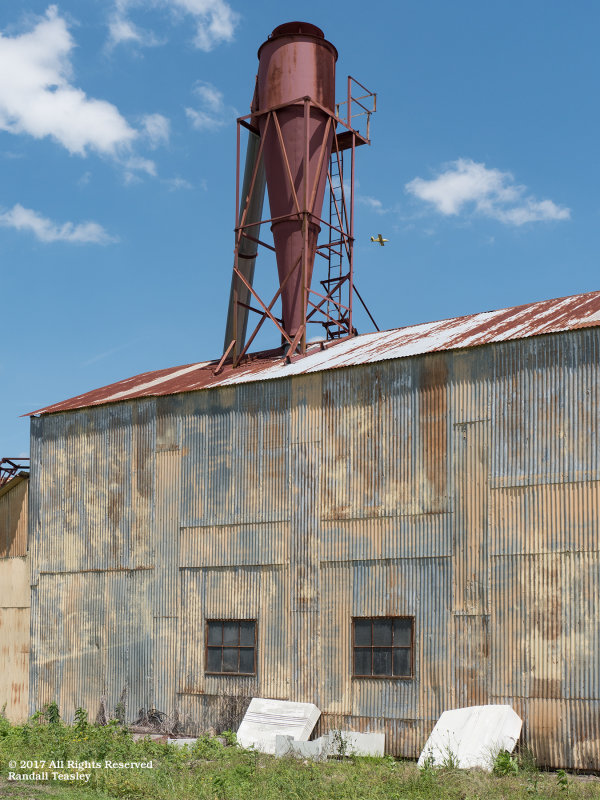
[(210, 96), (25, 219), (122, 30), (37, 98), (372, 203), (202, 121), (142, 164), (213, 113), (215, 21), (156, 129), (466, 184), (175, 184)]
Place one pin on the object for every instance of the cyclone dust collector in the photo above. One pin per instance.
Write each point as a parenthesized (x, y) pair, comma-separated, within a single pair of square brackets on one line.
[(296, 145)]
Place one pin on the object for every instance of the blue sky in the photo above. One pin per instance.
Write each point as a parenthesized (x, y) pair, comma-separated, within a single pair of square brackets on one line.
[(117, 157)]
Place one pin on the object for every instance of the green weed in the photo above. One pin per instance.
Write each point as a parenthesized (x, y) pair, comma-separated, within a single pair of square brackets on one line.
[(505, 764), (52, 713), (81, 719), (563, 782), (230, 738)]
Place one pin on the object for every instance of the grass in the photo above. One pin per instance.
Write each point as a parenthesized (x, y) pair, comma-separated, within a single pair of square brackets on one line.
[(213, 771)]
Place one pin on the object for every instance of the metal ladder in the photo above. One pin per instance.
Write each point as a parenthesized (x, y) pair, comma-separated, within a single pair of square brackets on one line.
[(335, 250)]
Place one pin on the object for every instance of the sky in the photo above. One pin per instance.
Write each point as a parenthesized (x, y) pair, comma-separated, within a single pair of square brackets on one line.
[(117, 165)]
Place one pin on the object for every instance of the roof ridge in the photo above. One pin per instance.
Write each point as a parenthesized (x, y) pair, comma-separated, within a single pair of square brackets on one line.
[(483, 327)]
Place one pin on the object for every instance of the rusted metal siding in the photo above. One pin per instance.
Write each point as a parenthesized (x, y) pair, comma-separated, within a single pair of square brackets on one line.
[(14, 497), (236, 462), (419, 587), (385, 440), (546, 411), (14, 637), (544, 547), (92, 537), (459, 487), (237, 593), (14, 600), (95, 490), (92, 639)]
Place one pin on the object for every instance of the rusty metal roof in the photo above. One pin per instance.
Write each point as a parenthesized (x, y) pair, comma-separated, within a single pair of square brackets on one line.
[(518, 322)]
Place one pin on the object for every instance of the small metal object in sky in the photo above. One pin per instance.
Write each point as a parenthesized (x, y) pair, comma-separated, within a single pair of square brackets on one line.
[(379, 238)]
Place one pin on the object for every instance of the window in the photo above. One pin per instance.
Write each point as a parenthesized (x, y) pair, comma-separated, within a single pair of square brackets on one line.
[(382, 646), (231, 646)]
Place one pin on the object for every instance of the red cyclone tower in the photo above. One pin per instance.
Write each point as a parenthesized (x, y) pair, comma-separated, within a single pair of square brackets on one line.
[(296, 62), (302, 139)]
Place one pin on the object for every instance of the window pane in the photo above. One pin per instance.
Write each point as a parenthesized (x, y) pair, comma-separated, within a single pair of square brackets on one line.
[(213, 659), (247, 633), (230, 659), (402, 632), (382, 632), (402, 661), (382, 661), (362, 632), (214, 632), (231, 632), (247, 659), (362, 661)]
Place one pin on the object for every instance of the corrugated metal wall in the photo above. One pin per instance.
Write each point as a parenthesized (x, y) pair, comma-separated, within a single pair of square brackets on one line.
[(14, 600), (13, 518), (93, 546), (460, 488)]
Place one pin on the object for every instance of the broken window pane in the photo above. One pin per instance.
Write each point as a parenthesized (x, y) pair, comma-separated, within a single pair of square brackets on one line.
[(230, 659), (382, 661)]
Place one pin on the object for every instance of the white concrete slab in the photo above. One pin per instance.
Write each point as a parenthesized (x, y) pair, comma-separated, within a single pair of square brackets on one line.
[(266, 718), (352, 743), (472, 736), (316, 750), (333, 743)]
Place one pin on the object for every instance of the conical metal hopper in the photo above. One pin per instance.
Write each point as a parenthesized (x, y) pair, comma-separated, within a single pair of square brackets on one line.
[(296, 62)]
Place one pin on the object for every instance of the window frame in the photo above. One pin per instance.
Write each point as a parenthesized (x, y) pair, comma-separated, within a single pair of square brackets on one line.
[(238, 647), (371, 647)]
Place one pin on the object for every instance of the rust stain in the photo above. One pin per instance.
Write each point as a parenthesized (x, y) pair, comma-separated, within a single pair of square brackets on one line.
[(546, 687), (16, 690), (434, 429), (546, 605)]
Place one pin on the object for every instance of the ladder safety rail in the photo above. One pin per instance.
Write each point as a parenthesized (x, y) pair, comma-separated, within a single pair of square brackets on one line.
[(352, 101)]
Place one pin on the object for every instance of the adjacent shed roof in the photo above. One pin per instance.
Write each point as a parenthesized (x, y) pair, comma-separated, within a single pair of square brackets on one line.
[(519, 322)]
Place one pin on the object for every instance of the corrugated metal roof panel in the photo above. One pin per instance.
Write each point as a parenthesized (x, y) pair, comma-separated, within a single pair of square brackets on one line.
[(519, 322)]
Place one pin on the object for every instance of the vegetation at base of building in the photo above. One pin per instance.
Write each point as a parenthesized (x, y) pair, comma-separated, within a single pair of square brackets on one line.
[(506, 764), (215, 768)]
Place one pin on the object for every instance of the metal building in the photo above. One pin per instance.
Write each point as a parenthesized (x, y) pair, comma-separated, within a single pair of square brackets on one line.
[(14, 590), (390, 526)]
